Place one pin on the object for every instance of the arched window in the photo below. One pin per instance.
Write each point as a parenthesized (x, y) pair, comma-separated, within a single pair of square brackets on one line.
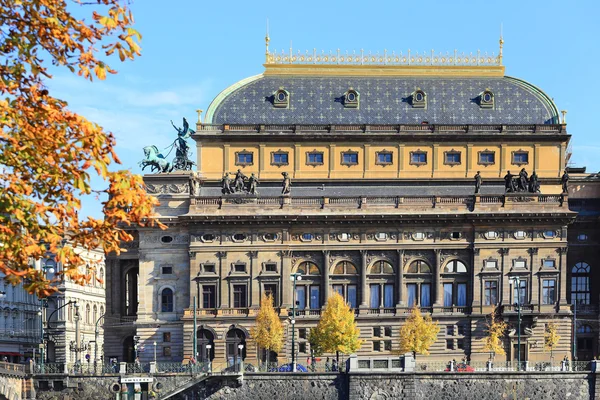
[(381, 286), (101, 311), (345, 279), (580, 283), (308, 290), (95, 314), (455, 284), (166, 300), (418, 288), (87, 314), (101, 277)]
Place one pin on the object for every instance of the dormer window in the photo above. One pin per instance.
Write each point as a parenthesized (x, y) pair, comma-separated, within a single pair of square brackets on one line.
[(351, 99), (486, 99), (281, 98), (419, 99)]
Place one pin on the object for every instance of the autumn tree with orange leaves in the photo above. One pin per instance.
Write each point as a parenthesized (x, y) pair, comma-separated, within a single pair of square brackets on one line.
[(49, 153)]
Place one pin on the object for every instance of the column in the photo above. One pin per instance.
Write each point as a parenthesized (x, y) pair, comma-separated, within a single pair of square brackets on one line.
[(331, 160), (222, 287), (475, 281), (286, 284), (534, 289), (469, 159), (436, 278), (502, 157), (253, 285), (261, 159), (225, 158), (325, 276), (434, 157), (400, 158), (297, 158), (399, 278), (563, 302), (366, 150), (363, 280), (504, 294)]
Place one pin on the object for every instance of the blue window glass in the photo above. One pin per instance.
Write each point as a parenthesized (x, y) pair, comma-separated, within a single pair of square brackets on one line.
[(384, 158), (388, 296), (425, 295), (301, 297), (412, 294), (452, 158), (280, 158), (339, 289), (315, 298), (307, 236), (350, 158), (447, 295), (487, 157), (315, 158), (245, 158), (461, 297), (374, 296), (548, 291), (418, 157), (351, 300), (520, 157)]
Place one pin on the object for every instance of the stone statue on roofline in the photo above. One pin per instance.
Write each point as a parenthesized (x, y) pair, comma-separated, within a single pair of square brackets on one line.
[(226, 184), (286, 184), (534, 184), (478, 182), (181, 161), (564, 180)]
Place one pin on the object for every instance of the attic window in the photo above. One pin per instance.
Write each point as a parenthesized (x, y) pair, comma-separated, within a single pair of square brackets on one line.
[(351, 99), (486, 99), (419, 99), (281, 98)]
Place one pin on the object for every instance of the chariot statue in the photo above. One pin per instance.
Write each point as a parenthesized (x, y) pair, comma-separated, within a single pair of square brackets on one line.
[(182, 150), (155, 160)]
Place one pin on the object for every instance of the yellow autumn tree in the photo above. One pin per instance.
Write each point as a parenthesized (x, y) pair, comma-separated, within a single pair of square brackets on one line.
[(49, 154), (418, 333), (336, 331), (268, 332), (551, 338), (495, 330)]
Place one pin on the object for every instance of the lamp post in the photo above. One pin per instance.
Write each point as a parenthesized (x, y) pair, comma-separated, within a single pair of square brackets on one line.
[(516, 281), (208, 347), (195, 334), (96, 333), (47, 267), (40, 313), (294, 278), (154, 352), (241, 355)]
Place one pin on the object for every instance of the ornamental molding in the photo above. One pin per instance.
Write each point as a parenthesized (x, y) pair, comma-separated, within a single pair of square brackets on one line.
[(156, 238), (415, 254), (373, 256), (337, 256), (168, 188), (301, 256)]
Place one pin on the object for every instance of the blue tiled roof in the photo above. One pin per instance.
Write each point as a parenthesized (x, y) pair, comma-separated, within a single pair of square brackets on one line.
[(317, 100)]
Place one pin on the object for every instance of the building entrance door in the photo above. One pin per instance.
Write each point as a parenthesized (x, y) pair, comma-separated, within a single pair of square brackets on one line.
[(515, 352), (236, 346)]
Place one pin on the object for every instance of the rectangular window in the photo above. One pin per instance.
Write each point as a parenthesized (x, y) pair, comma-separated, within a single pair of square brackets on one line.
[(491, 264), (315, 298), (166, 337), (491, 293), (461, 329), (449, 344), (374, 296), (270, 267), (280, 158), (447, 295), (520, 264), (449, 330), (271, 290), (461, 295), (209, 296), (167, 351), (349, 158), (376, 345), (377, 331), (209, 268), (339, 289), (314, 158), (302, 333), (240, 298), (388, 331), (301, 297), (548, 291), (244, 158), (384, 158), (549, 264), (425, 295), (388, 295), (418, 157), (239, 267), (351, 300), (388, 345), (520, 157), (520, 292), (452, 158), (487, 157), (412, 294), (302, 347), (460, 343), (167, 269)]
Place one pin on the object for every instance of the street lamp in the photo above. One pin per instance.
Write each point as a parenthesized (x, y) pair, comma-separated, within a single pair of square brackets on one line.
[(208, 347), (2, 294), (294, 278), (154, 352), (516, 282), (241, 355), (96, 333)]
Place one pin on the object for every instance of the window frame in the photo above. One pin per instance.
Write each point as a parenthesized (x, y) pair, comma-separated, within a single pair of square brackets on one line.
[(546, 291), (486, 152), (244, 153), (280, 153), (412, 154), (164, 305), (452, 153), (516, 153), (384, 153), (493, 292), (315, 152), (349, 152), (244, 299)]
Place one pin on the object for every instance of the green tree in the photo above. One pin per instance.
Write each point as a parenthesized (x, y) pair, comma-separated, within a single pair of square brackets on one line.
[(495, 330), (418, 333), (268, 332), (49, 153), (551, 338), (336, 331)]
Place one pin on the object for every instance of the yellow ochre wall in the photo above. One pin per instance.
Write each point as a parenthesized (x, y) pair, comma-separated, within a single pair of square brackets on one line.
[(214, 159)]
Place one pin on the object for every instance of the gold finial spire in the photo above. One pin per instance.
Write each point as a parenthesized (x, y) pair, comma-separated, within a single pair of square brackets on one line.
[(564, 116), (501, 41), (199, 113), (267, 39)]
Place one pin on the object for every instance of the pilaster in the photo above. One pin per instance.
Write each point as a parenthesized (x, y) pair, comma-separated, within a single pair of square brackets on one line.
[(363, 279), (223, 271), (325, 276), (399, 278), (286, 285), (436, 278)]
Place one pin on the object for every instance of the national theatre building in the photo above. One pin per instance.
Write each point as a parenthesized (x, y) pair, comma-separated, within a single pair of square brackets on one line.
[(393, 179)]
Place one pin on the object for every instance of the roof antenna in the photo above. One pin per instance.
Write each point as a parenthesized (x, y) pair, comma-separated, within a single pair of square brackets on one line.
[(501, 45), (267, 39)]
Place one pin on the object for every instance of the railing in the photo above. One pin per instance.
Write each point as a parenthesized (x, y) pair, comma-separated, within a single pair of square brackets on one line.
[(585, 308), (11, 367), (309, 312), (137, 368), (392, 128), (525, 308)]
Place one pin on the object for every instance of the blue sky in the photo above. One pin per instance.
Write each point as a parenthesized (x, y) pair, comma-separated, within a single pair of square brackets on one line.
[(192, 49)]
